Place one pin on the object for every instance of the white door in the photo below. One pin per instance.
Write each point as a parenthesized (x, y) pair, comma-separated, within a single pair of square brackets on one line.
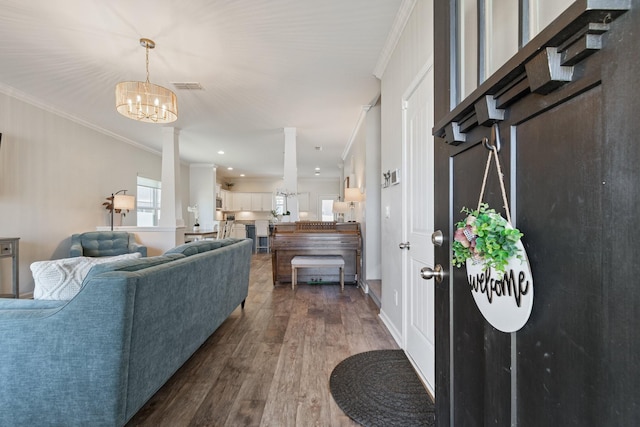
[(418, 226)]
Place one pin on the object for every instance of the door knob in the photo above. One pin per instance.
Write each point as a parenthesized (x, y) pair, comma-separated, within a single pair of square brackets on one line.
[(435, 273), (406, 246), (437, 238)]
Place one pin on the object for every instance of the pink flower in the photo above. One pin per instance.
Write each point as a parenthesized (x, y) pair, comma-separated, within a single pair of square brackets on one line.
[(471, 220), (460, 237)]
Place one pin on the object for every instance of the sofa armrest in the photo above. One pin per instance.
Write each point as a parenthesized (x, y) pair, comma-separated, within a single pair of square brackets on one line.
[(76, 246), (65, 363), (135, 247), (28, 309)]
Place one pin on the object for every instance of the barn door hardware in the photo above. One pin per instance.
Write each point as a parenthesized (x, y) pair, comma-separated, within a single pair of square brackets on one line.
[(495, 139)]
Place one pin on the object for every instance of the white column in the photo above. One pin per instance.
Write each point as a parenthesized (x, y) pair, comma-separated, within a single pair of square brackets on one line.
[(171, 206), (202, 188), (290, 180)]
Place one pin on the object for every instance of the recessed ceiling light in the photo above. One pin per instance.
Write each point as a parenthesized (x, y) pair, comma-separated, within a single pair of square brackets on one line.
[(220, 152), (241, 174), (317, 169), (317, 173), (229, 168)]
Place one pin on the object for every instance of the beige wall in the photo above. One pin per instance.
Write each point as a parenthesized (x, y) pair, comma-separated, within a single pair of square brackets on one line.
[(54, 176), (362, 166)]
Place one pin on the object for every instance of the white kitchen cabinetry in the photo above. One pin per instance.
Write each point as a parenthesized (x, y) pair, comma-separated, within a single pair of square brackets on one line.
[(261, 202), (241, 201), (267, 202), (226, 200), (256, 201)]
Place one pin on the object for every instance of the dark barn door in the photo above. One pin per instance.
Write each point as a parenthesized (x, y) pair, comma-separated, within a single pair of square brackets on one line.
[(568, 109)]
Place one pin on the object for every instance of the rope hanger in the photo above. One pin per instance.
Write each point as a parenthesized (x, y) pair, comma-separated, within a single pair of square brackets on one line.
[(494, 146)]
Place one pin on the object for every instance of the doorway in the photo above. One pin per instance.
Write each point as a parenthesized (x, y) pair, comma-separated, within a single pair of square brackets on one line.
[(418, 306)]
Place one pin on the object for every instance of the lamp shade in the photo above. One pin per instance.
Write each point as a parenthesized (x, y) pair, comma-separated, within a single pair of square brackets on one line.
[(353, 195), (124, 202), (146, 102), (340, 207)]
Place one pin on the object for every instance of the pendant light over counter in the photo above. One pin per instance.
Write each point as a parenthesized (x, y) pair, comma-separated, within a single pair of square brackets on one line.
[(145, 101)]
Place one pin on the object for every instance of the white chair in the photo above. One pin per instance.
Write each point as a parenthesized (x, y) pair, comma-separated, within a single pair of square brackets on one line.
[(225, 230), (262, 232)]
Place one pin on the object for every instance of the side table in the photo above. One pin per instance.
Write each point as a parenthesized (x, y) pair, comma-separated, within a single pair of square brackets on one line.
[(9, 248)]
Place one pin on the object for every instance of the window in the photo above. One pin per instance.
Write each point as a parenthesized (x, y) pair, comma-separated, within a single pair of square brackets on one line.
[(327, 210), (148, 202), (325, 207), (489, 32), (280, 209)]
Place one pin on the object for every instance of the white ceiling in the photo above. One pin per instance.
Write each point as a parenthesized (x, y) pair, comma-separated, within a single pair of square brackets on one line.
[(264, 65)]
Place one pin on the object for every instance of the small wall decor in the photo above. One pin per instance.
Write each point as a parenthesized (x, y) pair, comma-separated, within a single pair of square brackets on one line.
[(498, 270), (391, 177), (395, 177), (387, 179)]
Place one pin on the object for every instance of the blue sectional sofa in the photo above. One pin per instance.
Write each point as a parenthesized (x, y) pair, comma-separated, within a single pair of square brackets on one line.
[(96, 359)]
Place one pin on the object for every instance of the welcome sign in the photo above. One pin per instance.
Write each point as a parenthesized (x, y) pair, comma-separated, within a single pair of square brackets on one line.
[(505, 299)]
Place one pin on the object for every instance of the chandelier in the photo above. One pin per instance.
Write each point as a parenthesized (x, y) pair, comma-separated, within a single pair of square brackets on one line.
[(145, 101)]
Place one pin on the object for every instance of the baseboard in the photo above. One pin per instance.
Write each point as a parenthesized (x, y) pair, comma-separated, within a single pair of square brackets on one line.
[(375, 299), (397, 336)]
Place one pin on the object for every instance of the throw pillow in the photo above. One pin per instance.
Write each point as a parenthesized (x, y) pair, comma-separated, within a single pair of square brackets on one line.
[(61, 279)]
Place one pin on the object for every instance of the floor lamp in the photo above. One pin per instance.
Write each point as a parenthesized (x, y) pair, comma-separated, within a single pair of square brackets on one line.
[(121, 202)]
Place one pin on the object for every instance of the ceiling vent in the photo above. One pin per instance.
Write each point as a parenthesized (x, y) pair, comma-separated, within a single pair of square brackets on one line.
[(187, 85)]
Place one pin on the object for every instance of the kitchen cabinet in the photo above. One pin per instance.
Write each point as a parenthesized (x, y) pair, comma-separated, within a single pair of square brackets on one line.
[(261, 202), (240, 201), (226, 200)]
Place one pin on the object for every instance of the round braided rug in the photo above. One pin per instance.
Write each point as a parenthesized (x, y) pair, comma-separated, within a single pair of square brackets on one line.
[(381, 388)]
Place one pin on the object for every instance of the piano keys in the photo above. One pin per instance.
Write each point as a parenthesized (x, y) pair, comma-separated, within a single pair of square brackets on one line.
[(316, 238)]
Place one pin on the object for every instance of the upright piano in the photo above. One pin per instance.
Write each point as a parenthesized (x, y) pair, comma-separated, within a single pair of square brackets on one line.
[(316, 238)]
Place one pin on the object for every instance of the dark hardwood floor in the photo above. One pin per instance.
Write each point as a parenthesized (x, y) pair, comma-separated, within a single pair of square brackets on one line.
[(269, 364)]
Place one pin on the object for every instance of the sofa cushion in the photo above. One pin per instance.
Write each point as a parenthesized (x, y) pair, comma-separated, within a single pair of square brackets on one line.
[(132, 264), (61, 279), (200, 246)]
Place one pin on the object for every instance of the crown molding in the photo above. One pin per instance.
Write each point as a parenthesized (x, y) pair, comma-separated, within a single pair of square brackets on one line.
[(21, 96), (363, 114), (404, 12)]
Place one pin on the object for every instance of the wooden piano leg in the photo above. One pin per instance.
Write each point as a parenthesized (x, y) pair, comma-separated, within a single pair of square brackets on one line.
[(342, 279), (293, 277)]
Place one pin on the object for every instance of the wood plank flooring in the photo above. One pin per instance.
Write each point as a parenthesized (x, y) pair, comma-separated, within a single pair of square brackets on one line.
[(269, 364)]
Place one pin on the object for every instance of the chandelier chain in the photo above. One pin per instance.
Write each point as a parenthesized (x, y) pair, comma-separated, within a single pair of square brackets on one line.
[(147, 48)]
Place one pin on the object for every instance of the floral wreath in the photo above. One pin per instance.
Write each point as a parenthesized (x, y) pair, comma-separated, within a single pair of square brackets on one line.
[(484, 236)]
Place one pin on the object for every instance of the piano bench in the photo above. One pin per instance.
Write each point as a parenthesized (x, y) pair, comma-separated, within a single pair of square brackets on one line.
[(318, 261)]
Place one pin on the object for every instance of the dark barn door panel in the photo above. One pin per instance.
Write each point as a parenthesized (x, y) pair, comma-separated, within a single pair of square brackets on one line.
[(559, 187), (567, 106)]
